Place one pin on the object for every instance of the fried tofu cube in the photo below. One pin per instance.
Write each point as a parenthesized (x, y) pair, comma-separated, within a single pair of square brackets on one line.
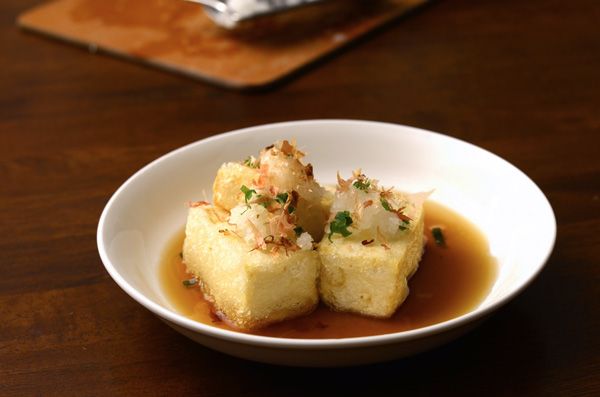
[(373, 246), (251, 287), (370, 279)]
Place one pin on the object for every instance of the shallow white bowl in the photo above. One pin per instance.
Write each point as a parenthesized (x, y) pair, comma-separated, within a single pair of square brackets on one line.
[(148, 209)]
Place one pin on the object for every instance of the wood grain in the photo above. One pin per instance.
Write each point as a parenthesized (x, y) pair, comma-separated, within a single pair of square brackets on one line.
[(178, 36), (517, 78)]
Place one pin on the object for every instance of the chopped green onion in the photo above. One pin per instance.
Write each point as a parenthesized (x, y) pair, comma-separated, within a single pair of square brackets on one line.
[(247, 193), (251, 162), (385, 204), (438, 236), (404, 225), (340, 224), (190, 282), (298, 230), (281, 198), (361, 184)]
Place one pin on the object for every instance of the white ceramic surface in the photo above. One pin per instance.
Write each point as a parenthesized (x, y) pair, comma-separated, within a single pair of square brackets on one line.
[(148, 209)]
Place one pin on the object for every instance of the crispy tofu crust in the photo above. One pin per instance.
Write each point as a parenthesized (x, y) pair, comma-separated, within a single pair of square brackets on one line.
[(252, 288)]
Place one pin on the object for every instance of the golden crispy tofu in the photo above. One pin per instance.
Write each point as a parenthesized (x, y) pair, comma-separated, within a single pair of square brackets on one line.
[(251, 287), (374, 245), (369, 279)]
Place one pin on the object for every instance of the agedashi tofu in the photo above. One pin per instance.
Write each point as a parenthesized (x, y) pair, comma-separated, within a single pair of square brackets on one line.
[(373, 245), (275, 242), (251, 277)]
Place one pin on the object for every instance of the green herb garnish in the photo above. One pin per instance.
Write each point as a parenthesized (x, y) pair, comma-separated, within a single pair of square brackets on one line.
[(404, 225), (298, 230), (438, 236), (247, 193), (403, 218), (251, 162), (362, 184), (281, 198), (191, 282), (386, 206), (340, 224)]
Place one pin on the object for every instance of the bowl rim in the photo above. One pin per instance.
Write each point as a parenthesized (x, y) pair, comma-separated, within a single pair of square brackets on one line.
[(313, 344)]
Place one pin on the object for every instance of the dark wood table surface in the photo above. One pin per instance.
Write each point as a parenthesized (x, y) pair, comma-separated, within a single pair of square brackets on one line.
[(519, 78)]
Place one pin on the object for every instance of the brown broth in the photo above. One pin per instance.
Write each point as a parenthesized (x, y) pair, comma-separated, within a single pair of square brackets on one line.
[(451, 281)]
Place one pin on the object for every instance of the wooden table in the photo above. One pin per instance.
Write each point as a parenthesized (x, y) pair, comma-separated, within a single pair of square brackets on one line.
[(519, 78)]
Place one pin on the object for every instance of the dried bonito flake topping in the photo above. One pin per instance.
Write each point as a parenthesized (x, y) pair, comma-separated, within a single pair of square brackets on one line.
[(267, 221), (267, 218), (194, 204), (364, 210), (286, 147), (280, 168)]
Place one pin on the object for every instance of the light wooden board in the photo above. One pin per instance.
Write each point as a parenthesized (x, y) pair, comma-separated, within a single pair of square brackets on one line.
[(178, 36)]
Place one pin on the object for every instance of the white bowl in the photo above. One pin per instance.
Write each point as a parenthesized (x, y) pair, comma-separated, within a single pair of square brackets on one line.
[(148, 209)]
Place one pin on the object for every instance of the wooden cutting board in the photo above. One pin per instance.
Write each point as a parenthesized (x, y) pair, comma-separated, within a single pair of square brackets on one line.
[(178, 36)]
